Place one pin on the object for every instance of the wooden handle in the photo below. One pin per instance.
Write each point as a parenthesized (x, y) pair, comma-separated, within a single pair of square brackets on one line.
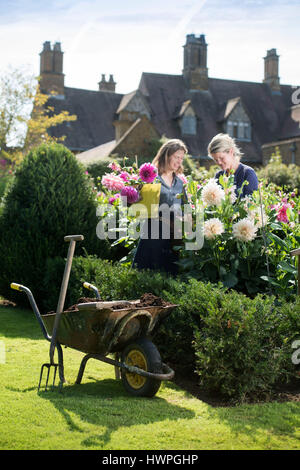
[(76, 238)]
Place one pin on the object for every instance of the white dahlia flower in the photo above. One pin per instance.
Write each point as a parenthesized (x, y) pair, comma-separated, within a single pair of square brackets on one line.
[(244, 230), (212, 228), (212, 193)]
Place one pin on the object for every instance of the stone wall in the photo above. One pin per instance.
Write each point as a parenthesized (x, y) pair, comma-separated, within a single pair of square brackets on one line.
[(137, 140), (285, 148)]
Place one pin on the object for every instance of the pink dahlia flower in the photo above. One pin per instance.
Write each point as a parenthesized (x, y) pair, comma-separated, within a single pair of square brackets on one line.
[(114, 166), (114, 198), (148, 172), (124, 175), (112, 182), (131, 193), (282, 215)]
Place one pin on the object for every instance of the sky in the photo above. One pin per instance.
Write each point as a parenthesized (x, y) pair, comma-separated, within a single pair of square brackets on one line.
[(128, 37)]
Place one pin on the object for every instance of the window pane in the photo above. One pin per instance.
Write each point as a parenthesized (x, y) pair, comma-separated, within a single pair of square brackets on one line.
[(235, 129), (247, 131), (240, 130), (188, 125), (229, 128)]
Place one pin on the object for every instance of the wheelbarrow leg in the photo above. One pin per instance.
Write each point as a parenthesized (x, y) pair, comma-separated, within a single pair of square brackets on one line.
[(82, 367), (99, 357), (60, 366), (117, 369)]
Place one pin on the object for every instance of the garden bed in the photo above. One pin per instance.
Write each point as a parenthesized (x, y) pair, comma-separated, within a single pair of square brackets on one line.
[(284, 393)]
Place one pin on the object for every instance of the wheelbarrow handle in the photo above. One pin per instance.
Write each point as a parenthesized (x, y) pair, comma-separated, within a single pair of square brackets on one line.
[(34, 306), (18, 287), (90, 287), (63, 290)]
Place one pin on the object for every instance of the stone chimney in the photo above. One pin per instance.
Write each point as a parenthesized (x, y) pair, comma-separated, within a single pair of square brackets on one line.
[(195, 71), (109, 85), (271, 70), (51, 69)]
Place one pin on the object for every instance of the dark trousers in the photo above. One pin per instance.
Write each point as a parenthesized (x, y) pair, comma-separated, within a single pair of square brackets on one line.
[(157, 254)]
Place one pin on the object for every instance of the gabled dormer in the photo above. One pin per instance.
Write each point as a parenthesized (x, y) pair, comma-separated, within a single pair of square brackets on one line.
[(187, 119), (132, 107), (235, 120)]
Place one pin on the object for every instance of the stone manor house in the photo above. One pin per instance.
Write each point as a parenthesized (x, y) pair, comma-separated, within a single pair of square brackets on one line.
[(192, 106)]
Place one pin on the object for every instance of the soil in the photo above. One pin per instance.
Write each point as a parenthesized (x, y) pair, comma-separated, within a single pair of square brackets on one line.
[(146, 300), (150, 300)]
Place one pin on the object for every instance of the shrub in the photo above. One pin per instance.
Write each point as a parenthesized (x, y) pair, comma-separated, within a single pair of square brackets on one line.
[(113, 280), (50, 197), (243, 347), (4, 181), (286, 176), (97, 170)]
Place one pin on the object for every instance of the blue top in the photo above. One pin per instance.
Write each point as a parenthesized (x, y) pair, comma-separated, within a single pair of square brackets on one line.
[(168, 193), (243, 172)]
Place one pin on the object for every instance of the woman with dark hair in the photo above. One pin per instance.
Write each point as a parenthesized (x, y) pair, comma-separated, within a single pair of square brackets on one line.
[(156, 252)]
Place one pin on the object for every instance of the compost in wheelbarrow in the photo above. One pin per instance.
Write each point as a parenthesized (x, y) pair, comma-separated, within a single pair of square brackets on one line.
[(96, 327)]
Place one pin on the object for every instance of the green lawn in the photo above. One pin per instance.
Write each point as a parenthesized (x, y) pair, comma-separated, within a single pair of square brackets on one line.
[(99, 414)]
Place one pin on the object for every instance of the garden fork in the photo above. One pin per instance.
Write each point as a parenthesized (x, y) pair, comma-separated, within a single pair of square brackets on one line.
[(60, 306)]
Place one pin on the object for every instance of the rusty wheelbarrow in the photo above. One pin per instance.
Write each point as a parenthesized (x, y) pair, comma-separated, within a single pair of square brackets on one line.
[(122, 329)]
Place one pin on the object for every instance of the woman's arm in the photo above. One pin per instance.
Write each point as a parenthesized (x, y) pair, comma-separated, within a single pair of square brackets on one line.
[(252, 182)]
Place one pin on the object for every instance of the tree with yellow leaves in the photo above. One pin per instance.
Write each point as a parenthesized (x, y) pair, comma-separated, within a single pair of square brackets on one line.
[(25, 117)]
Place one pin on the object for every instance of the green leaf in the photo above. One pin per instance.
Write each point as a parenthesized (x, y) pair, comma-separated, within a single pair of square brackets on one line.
[(229, 280), (251, 287), (223, 271), (278, 241), (285, 266), (270, 280), (275, 226)]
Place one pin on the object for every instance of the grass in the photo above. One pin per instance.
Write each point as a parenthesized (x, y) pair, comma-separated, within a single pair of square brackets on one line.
[(99, 415)]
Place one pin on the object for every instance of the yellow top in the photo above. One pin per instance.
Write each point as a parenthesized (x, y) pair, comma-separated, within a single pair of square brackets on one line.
[(147, 207)]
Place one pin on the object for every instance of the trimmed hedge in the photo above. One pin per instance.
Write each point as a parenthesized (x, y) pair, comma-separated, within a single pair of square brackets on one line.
[(50, 197), (239, 347)]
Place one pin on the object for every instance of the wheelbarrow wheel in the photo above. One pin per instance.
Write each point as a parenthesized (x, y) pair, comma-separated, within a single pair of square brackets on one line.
[(144, 355)]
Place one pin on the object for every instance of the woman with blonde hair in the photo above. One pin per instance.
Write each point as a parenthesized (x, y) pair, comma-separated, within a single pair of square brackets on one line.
[(227, 155), (157, 252)]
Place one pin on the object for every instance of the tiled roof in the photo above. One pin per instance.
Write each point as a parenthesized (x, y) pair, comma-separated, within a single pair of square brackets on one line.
[(269, 113), (95, 111), (166, 95)]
